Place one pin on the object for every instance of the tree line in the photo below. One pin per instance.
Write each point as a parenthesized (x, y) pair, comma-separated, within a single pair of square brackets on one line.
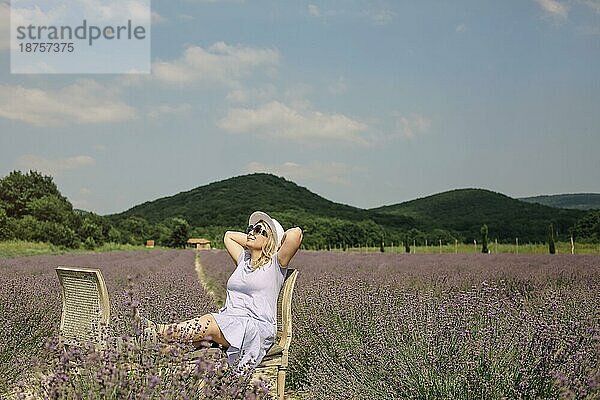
[(33, 209)]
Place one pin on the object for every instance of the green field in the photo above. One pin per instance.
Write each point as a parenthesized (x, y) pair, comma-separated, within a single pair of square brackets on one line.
[(17, 248), (527, 248)]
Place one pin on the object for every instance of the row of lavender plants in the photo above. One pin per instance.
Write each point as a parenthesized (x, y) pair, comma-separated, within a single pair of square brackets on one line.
[(163, 285), (382, 326)]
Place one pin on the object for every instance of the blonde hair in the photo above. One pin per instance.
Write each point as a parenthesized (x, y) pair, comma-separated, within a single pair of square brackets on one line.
[(268, 248)]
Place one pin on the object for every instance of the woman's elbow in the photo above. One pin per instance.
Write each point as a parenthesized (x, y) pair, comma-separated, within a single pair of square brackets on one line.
[(297, 235)]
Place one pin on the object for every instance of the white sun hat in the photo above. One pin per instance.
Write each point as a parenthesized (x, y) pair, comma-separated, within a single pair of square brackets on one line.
[(275, 226)]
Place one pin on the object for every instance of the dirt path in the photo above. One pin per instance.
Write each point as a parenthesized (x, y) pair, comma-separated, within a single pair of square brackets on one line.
[(210, 286)]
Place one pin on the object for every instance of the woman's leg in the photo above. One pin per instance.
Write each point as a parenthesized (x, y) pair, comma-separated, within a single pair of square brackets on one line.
[(194, 330)]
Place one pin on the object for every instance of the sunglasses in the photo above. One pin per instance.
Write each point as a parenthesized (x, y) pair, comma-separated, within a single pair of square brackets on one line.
[(256, 229)]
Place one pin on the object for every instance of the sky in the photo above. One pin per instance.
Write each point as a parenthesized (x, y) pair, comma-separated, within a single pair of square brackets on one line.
[(367, 103)]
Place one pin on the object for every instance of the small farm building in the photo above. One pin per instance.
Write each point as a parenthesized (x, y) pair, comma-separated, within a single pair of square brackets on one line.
[(199, 243), (150, 244)]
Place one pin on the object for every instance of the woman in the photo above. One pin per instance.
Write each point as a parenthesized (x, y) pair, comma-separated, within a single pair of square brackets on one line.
[(247, 324)]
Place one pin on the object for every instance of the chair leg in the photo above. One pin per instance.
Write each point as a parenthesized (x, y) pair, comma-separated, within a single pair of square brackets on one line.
[(281, 384)]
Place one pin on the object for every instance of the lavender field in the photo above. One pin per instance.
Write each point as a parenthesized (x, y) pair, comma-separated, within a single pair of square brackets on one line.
[(383, 326), (163, 282), (366, 326)]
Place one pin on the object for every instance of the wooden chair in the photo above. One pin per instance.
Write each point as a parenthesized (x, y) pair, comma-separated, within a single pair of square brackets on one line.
[(85, 305), (278, 355), (86, 309)]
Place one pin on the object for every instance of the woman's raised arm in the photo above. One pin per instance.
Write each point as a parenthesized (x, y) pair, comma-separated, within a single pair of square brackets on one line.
[(292, 238), (234, 243)]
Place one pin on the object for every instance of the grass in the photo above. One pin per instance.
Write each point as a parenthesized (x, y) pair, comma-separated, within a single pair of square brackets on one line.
[(526, 248), (18, 248)]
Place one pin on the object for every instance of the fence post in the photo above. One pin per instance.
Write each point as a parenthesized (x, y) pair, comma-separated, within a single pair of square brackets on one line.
[(572, 245), (440, 246), (517, 240)]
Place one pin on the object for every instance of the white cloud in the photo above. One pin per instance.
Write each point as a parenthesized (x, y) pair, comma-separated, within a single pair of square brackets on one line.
[(53, 167), (553, 8), (166, 109), (253, 95), (314, 10), (220, 63), (334, 173), (275, 119), (460, 28), (62, 11), (157, 18), (113, 10), (411, 126), (83, 102)]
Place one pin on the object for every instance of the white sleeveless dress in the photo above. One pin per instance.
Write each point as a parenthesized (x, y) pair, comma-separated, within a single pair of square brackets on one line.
[(248, 319)]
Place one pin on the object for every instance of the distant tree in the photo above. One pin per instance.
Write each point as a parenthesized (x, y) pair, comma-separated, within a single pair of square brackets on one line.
[(89, 243), (179, 232), (52, 208), (440, 234), (551, 247), (115, 235), (31, 229), (587, 228), (61, 235), (484, 239), (91, 230), (5, 231), (134, 229), (17, 190)]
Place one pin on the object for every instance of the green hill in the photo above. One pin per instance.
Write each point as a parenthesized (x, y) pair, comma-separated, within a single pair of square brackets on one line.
[(454, 214), (464, 211), (231, 201), (575, 201)]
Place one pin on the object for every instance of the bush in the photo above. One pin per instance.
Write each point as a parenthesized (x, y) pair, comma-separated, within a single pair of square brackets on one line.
[(5, 231), (89, 243), (179, 233), (51, 208), (587, 229), (484, 239), (551, 247), (31, 229)]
